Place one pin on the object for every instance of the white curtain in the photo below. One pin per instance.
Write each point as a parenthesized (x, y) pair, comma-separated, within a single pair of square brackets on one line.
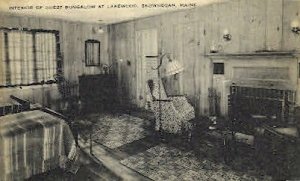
[(2, 60), (26, 66)]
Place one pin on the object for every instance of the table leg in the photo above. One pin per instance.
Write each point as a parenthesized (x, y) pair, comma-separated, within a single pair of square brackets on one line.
[(91, 144)]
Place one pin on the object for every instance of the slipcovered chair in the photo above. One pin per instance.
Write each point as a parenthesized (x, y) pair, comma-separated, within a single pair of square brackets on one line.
[(172, 113)]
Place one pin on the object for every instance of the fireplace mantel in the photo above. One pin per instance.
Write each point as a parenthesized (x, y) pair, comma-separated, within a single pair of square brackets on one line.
[(266, 54), (267, 70)]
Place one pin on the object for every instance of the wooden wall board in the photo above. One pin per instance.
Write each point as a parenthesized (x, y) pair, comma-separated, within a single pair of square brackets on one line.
[(255, 25)]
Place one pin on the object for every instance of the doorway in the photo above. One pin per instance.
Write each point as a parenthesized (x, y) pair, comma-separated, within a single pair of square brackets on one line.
[(146, 45)]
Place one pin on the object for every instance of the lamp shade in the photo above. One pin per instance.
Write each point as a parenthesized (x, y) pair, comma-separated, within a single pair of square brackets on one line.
[(173, 67), (295, 23)]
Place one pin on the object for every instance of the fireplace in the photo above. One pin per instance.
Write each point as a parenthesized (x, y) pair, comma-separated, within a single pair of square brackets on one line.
[(257, 93), (262, 79), (271, 107)]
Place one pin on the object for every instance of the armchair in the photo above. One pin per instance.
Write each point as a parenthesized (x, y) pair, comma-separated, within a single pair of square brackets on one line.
[(172, 113)]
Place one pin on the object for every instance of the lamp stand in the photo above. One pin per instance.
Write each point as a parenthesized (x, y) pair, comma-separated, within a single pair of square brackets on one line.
[(161, 57), (159, 104), (172, 68)]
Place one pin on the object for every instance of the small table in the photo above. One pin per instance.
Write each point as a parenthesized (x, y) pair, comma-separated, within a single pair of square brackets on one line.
[(217, 133)]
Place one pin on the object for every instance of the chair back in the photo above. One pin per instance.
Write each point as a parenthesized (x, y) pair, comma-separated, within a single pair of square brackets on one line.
[(154, 86)]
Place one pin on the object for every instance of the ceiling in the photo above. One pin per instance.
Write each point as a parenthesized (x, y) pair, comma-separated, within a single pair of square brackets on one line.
[(103, 12)]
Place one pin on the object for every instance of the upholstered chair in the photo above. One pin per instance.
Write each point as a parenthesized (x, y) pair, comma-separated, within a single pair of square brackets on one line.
[(172, 113)]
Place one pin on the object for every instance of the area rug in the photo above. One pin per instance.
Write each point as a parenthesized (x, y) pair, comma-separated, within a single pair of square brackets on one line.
[(164, 162), (115, 130)]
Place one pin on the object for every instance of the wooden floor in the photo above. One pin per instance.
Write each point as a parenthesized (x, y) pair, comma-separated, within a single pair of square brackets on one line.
[(105, 163), (102, 165), (90, 170), (111, 161)]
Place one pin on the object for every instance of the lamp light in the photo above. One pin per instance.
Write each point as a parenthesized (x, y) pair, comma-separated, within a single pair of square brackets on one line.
[(226, 35), (98, 30), (295, 25), (173, 67)]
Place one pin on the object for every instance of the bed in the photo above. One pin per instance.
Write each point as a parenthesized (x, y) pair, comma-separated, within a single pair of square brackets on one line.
[(34, 142)]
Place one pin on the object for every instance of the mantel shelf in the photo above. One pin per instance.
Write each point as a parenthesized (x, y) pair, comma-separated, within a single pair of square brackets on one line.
[(253, 54)]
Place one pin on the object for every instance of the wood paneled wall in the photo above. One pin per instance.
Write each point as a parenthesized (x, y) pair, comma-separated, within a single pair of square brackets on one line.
[(72, 39), (254, 25)]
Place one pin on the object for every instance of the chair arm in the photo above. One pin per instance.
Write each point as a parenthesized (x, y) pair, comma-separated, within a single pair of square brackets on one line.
[(163, 100), (165, 105), (180, 102), (178, 95)]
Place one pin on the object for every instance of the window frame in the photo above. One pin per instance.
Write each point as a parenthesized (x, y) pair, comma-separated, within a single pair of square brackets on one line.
[(59, 61)]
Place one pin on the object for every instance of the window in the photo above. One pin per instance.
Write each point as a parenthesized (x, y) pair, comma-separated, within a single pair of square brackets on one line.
[(28, 56), (219, 68), (92, 53)]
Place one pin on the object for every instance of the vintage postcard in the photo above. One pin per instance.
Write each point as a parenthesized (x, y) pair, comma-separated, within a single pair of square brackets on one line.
[(149, 90)]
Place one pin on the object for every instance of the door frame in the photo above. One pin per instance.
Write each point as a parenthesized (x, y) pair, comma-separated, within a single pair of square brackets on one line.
[(140, 56)]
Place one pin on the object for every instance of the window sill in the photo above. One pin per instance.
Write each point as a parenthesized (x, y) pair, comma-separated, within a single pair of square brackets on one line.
[(33, 86)]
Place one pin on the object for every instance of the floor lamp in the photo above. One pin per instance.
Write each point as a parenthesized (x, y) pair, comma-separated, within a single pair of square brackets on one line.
[(172, 67)]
